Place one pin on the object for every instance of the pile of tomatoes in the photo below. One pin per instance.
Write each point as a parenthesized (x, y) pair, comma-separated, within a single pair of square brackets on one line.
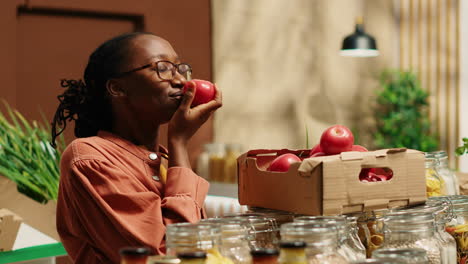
[(334, 140)]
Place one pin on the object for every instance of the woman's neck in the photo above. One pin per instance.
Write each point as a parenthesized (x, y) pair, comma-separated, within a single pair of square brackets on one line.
[(140, 135)]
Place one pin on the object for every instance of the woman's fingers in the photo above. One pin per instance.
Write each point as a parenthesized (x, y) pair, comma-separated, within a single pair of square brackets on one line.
[(189, 94)]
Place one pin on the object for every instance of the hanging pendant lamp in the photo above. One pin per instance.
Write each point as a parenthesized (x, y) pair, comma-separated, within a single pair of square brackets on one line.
[(359, 44)]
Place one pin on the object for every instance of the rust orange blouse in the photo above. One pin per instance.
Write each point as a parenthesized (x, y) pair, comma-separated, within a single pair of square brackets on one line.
[(111, 196)]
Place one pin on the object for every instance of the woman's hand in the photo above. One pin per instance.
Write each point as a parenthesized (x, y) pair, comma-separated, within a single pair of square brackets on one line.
[(185, 122)]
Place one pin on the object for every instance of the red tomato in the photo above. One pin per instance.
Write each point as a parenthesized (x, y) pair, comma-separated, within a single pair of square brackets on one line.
[(336, 139), (359, 148), (318, 154), (283, 162), (315, 149), (204, 91)]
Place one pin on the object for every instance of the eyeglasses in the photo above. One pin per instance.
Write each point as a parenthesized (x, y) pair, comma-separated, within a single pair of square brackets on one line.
[(166, 70)]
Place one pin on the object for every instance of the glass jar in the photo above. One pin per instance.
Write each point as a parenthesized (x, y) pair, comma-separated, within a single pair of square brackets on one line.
[(292, 252), (321, 240), (370, 229), (163, 260), (134, 255), (444, 214), (407, 255), (203, 161), (435, 185), (234, 239), (263, 231), (233, 151), (353, 238), (280, 217), (412, 230), (458, 226), (187, 237), (216, 162), (442, 167), (264, 256), (344, 248)]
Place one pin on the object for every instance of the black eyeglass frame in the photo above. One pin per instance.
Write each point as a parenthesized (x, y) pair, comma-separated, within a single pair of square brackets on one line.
[(154, 64)]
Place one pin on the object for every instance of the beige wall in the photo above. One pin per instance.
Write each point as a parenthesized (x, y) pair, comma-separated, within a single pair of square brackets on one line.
[(278, 64)]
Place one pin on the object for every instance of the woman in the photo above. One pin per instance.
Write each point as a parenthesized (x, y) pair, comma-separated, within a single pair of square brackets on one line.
[(114, 190)]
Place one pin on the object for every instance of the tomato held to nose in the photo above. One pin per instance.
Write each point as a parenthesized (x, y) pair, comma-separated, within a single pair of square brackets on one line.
[(204, 91), (283, 162)]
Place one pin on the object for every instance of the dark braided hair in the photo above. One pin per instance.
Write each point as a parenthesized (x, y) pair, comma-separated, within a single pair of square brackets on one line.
[(86, 102)]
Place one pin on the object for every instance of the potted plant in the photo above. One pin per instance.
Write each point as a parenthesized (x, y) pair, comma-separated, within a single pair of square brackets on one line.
[(26, 156), (401, 114)]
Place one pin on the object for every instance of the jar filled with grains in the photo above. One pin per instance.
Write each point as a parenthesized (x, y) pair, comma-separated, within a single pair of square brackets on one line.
[(443, 214), (412, 230), (321, 240), (344, 249), (407, 255)]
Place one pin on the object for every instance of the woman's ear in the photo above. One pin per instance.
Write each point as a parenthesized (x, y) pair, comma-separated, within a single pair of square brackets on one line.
[(115, 88)]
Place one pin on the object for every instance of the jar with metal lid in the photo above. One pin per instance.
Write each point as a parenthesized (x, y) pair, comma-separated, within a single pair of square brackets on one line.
[(442, 214), (192, 257), (264, 256), (435, 185), (412, 230), (163, 260), (370, 229), (321, 240), (292, 252), (263, 230), (134, 255), (458, 226), (234, 240), (340, 222), (187, 237), (407, 255), (442, 167)]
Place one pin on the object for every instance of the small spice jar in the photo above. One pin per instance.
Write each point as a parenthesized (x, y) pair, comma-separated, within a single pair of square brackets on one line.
[(406, 255), (194, 257), (134, 255), (412, 230), (264, 256)]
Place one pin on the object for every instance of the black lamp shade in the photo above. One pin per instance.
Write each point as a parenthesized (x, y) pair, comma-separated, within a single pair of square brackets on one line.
[(359, 44)]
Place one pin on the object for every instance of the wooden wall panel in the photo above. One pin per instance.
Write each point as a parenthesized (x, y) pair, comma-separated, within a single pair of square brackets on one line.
[(47, 40), (430, 46)]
